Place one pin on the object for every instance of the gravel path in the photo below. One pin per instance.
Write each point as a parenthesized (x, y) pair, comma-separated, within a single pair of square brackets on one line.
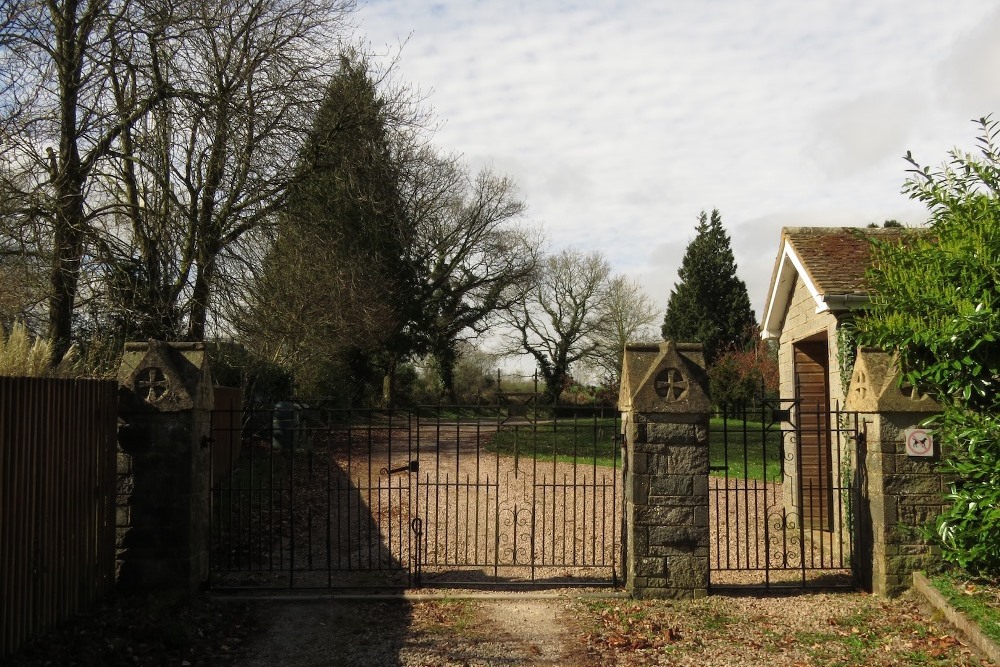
[(820, 629)]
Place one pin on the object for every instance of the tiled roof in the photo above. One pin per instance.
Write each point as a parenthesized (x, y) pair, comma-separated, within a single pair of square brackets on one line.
[(831, 261), (836, 258)]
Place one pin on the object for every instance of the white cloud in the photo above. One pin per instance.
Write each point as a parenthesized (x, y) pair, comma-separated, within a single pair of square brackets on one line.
[(622, 120)]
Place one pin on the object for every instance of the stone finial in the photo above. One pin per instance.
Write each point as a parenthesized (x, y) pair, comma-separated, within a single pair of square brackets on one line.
[(664, 377), (875, 387), (167, 377)]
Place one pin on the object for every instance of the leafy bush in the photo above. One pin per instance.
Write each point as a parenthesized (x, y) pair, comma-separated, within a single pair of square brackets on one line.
[(936, 301), (969, 530), (743, 377)]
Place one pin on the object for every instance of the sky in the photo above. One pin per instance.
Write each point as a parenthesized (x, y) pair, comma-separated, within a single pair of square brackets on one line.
[(622, 121)]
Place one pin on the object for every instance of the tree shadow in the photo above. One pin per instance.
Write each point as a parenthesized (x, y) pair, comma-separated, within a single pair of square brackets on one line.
[(305, 513)]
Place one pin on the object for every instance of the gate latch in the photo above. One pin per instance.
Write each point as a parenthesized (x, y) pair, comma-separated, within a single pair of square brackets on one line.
[(412, 466)]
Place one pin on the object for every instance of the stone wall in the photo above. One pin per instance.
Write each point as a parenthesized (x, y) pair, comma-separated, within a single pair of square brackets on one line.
[(900, 493), (801, 322), (666, 410)]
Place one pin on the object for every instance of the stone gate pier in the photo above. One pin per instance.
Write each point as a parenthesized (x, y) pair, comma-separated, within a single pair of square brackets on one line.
[(901, 489), (665, 420), (164, 460)]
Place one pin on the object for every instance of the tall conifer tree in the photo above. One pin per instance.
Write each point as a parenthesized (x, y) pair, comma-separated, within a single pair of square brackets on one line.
[(336, 294), (709, 304)]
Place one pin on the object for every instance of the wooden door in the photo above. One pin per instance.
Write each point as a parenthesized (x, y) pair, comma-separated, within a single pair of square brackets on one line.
[(813, 430)]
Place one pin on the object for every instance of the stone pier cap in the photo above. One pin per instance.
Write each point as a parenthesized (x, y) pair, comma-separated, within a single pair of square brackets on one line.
[(664, 377)]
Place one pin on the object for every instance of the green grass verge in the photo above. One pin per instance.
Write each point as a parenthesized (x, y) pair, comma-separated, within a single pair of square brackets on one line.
[(740, 449), (979, 600), (589, 441)]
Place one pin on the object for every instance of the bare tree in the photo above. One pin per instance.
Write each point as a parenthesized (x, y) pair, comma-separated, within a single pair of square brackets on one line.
[(475, 260), (149, 139), (557, 319), (627, 315), (57, 60), (214, 166)]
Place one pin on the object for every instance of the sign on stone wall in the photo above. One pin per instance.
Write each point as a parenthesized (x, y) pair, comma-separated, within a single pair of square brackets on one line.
[(919, 442)]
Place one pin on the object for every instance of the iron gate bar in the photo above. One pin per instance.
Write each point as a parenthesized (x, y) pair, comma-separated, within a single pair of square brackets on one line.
[(756, 509), (282, 513)]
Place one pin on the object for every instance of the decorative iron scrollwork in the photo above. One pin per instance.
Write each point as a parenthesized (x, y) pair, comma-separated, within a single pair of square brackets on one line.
[(784, 540), (516, 543)]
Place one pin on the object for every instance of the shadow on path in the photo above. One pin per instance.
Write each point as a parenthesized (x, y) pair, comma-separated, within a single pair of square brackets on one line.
[(314, 633)]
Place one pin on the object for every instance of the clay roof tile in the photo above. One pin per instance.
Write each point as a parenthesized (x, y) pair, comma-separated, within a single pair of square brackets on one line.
[(836, 258)]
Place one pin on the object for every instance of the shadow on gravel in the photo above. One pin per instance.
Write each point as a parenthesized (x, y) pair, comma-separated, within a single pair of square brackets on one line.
[(328, 632), (343, 529)]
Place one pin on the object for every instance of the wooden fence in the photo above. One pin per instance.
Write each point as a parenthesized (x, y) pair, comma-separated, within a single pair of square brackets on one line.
[(57, 491), (227, 427)]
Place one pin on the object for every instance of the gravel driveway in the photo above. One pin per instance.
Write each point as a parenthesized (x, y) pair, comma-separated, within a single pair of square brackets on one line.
[(818, 629)]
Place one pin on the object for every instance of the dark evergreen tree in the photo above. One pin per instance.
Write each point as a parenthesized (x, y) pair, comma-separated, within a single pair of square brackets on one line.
[(337, 292), (710, 304)]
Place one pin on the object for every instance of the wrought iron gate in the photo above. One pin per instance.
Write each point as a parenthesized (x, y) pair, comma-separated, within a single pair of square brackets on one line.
[(781, 515), (437, 496)]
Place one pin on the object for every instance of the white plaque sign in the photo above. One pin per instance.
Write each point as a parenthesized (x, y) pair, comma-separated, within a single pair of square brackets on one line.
[(919, 442)]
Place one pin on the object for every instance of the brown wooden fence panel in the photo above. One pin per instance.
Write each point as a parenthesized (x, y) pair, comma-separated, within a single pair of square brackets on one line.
[(57, 491), (227, 430)]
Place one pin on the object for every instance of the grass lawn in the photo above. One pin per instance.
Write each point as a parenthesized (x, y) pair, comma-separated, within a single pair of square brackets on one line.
[(590, 440), (759, 460), (978, 600), (583, 440)]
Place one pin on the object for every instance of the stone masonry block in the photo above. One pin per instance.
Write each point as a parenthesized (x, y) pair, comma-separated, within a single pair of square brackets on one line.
[(639, 539), (701, 517), (685, 538), (663, 515), (671, 550), (658, 463), (920, 550), (672, 485), (690, 459), (655, 582), (918, 514), (912, 484), (688, 572), (651, 567), (672, 434), (637, 489), (910, 465), (674, 518), (640, 463)]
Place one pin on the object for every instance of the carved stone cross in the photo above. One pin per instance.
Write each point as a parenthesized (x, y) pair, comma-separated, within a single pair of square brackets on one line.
[(671, 385), (152, 384)]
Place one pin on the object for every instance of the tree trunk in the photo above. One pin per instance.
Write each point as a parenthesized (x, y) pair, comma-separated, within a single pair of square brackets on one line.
[(200, 296), (67, 253), (389, 384), (67, 178)]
